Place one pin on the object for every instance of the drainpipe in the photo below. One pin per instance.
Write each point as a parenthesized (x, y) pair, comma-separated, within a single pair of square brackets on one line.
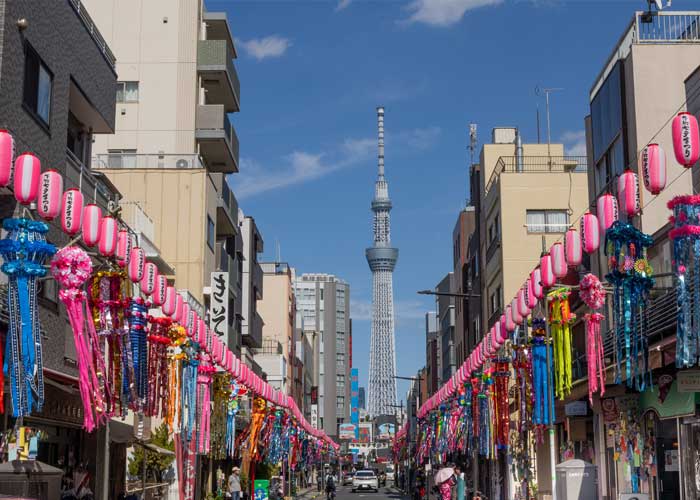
[(518, 152)]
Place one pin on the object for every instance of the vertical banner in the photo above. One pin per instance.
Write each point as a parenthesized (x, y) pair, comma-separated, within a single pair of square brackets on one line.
[(218, 311)]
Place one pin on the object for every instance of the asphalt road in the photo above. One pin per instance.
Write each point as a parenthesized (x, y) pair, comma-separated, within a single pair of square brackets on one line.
[(384, 493)]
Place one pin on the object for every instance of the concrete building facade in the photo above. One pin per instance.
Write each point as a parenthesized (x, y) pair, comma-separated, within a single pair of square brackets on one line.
[(446, 327), (433, 352)]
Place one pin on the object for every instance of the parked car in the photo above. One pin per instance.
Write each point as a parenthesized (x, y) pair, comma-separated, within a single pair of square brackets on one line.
[(365, 480), (390, 473), (347, 478)]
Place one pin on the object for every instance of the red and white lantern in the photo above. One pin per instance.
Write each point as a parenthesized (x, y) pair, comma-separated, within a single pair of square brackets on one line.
[(517, 317), (50, 194), (590, 233), (72, 212), (686, 141), (124, 244), (572, 248), (652, 164), (137, 261), (501, 334), (7, 157), (536, 281), (628, 193), (92, 218), (27, 173), (170, 302), (510, 323), (523, 307), (108, 236), (546, 271), (607, 211), (201, 332), (160, 290), (150, 275), (559, 266)]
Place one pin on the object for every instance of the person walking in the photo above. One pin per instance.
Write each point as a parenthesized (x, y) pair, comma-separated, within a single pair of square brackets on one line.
[(459, 480), (234, 484), (319, 480)]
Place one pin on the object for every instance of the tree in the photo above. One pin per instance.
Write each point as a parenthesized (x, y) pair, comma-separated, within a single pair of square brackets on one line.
[(156, 463)]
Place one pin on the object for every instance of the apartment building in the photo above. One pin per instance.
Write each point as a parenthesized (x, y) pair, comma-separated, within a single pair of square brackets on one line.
[(433, 352), (174, 142), (252, 290), (277, 309), (446, 327), (324, 303)]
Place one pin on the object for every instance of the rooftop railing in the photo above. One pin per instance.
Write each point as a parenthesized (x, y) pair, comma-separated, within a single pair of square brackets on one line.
[(94, 32), (537, 164), (147, 161)]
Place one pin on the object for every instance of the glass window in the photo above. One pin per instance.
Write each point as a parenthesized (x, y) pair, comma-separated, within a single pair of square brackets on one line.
[(606, 112), (127, 91), (547, 221), (121, 158), (38, 83), (535, 220), (211, 233)]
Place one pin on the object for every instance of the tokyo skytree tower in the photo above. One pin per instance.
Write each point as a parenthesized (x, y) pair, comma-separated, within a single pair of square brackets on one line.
[(381, 258)]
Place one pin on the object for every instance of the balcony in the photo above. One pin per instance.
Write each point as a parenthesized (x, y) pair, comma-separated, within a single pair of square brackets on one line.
[(226, 212), (219, 76), (116, 161), (257, 280), (82, 13), (252, 332), (537, 165), (226, 263), (218, 143)]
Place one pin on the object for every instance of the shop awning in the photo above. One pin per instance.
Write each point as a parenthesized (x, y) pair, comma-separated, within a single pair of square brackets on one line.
[(121, 432), (676, 404)]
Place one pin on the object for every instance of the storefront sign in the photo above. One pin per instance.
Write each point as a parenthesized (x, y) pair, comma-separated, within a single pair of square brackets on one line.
[(218, 310), (671, 461), (627, 402), (576, 409), (611, 413), (688, 381), (347, 431), (314, 416)]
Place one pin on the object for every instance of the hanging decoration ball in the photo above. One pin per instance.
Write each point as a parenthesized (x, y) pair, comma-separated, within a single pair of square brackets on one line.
[(546, 272), (159, 293), (136, 264), (92, 218), (148, 281), (7, 157), (27, 173), (686, 142), (50, 193), (559, 266), (510, 323), (652, 164), (592, 292), (517, 317), (572, 248), (523, 306), (590, 233), (72, 212), (628, 193), (124, 244), (536, 281), (607, 211), (108, 236), (170, 301)]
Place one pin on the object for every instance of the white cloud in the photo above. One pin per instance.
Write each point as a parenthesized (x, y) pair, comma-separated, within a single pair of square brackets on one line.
[(269, 46), (574, 142), (342, 4), (442, 13), (420, 138)]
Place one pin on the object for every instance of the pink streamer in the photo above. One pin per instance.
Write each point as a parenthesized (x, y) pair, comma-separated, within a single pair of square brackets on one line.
[(204, 382), (594, 348)]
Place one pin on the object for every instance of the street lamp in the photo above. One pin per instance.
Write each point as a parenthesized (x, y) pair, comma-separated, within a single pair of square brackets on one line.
[(447, 294)]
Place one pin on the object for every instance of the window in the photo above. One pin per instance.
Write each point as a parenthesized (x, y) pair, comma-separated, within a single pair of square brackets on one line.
[(211, 233), (493, 230), (38, 82), (127, 91), (547, 221), (121, 158), (321, 297), (495, 301)]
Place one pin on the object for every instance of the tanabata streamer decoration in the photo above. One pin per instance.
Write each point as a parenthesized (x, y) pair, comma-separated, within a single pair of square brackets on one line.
[(593, 295), (502, 411), (686, 266), (72, 267), (543, 398), (560, 319), (24, 251), (138, 326), (204, 408), (631, 277), (158, 342)]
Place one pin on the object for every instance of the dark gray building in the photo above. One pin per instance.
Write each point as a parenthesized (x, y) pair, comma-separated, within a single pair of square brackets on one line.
[(57, 89), (362, 398), (446, 325)]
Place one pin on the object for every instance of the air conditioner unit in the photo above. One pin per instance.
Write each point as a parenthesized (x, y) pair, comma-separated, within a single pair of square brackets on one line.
[(182, 163)]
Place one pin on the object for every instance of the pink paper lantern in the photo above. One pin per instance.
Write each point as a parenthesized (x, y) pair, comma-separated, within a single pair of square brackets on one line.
[(510, 323), (523, 307), (531, 297), (92, 220), (27, 173), (515, 312), (170, 302), (179, 307), (500, 331), (607, 211), (590, 233), (72, 211), (536, 280), (559, 267), (572, 247), (137, 261), (652, 164), (686, 142), (546, 272), (50, 194), (188, 318), (150, 276), (628, 193), (7, 157), (202, 332), (160, 290), (502, 326), (108, 236), (124, 244)]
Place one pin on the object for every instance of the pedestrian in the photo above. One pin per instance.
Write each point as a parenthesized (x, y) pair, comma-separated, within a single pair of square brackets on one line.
[(444, 480), (459, 479), (234, 484), (319, 480)]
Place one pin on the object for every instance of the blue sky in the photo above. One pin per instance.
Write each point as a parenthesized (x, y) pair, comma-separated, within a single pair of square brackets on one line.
[(312, 73)]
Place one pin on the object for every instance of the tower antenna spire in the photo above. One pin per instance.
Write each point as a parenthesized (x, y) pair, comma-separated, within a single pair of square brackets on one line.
[(380, 140)]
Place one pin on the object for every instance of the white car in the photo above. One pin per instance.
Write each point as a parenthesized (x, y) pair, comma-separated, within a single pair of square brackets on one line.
[(390, 473), (365, 480)]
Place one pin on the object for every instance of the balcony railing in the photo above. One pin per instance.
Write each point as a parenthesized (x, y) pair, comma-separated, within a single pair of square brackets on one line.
[(537, 165), (94, 32), (147, 161), (214, 56), (214, 126)]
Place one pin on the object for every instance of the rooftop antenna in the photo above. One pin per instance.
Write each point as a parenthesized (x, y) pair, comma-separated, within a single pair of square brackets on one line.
[(546, 92), (648, 16), (277, 248)]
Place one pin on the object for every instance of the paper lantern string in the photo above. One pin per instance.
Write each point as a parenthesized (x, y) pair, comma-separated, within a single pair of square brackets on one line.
[(24, 251), (71, 267)]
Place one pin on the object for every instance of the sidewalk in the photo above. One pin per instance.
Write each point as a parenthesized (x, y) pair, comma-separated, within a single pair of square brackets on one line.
[(309, 493)]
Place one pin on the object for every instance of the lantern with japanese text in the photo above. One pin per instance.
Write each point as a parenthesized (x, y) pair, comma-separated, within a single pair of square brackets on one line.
[(546, 272), (160, 290), (179, 308), (536, 281), (686, 147), (628, 193), (510, 323), (607, 211), (72, 212), (108, 236), (572, 247), (652, 163), (559, 266), (590, 233), (148, 281), (7, 157), (27, 173), (92, 218), (136, 263), (50, 194), (124, 244), (517, 317), (523, 306), (170, 301)]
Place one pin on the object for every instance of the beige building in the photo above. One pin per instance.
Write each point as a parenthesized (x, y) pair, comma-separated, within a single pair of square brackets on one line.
[(174, 142), (529, 192)]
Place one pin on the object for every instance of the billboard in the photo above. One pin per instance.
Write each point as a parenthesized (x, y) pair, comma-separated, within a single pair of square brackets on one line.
[(346, 431), (365, 432), (354, 401), (385, 431)]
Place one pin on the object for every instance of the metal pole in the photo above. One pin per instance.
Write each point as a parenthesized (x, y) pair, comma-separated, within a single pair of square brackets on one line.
[(105, 466), (549, 137), (550, 395)]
